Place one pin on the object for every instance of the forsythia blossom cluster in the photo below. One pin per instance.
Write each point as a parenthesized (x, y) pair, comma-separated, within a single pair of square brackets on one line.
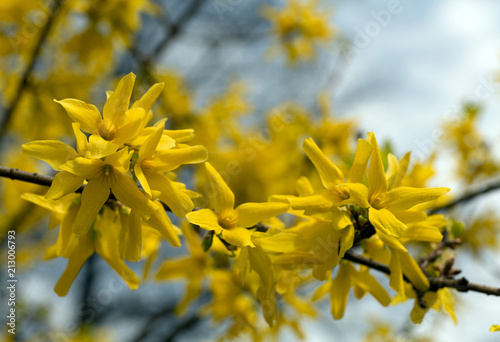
[(299, 27), (114, 152), (249, 252)]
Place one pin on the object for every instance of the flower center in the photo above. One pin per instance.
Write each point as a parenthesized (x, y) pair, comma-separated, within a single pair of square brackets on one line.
[(107, 130), (107, 170), (229, 221)]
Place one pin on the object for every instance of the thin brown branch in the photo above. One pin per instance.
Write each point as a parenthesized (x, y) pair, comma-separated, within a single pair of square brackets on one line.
[(466, 197), (439, 249), (36, 178), (25, 79), (29, 177), (359, 259), (173, 31), (461, 284)]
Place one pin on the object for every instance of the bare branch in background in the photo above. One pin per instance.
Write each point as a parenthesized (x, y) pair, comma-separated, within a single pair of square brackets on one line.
[(25, 79)]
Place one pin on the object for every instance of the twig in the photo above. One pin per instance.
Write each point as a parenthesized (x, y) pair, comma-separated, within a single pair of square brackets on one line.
[(461, 284), (25, 79), (359, 259), (439, 249), (151, 322), (36, 178), (466, 197), (182, 327), (88, 285), (173, 31), (29, 177)]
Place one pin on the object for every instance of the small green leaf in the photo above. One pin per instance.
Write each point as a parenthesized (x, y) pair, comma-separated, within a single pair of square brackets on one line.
[(207, 241)]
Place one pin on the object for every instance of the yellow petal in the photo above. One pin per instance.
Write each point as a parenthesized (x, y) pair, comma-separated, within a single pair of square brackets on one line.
[(64, 242), (495, 328), (193, 290), (81, 139), (173, 158), (171, 195), (165, 143), (249, 214), (385, 221), (43, 202), (180, 135), (361, 156), (391, 241), (134, 241), (99, 148), (142, 179), (417, 314), (192, 238), (321, 291), (446, 298), (313, 203), (421, 232), (126, 191), (131, 126), (148, 99), (75, 264), (238, 236), (83, 167), (177, 268), (148, 148), (409, 216), (329, 173), (403, 198), (392, 169), (297, 258), (261, 263), (120, 161), (120, 267), (85, 114), (404, 163), (243, 264), (119, 101), (359, 193), (160, 221), (339, 291), (376, 174), (369, 284), (304, 187), (282, 242), (221, 196), (340, 219), (50, 253), (413, 271), (53, 152), (94, 195), (63, 184), (346, 240), (206, 219), (396, 277)]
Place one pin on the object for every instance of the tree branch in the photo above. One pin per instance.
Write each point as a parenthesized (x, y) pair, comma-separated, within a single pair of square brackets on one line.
[(173, 31), (29, 177), (25, 79), (461, 284), (466, 197)]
